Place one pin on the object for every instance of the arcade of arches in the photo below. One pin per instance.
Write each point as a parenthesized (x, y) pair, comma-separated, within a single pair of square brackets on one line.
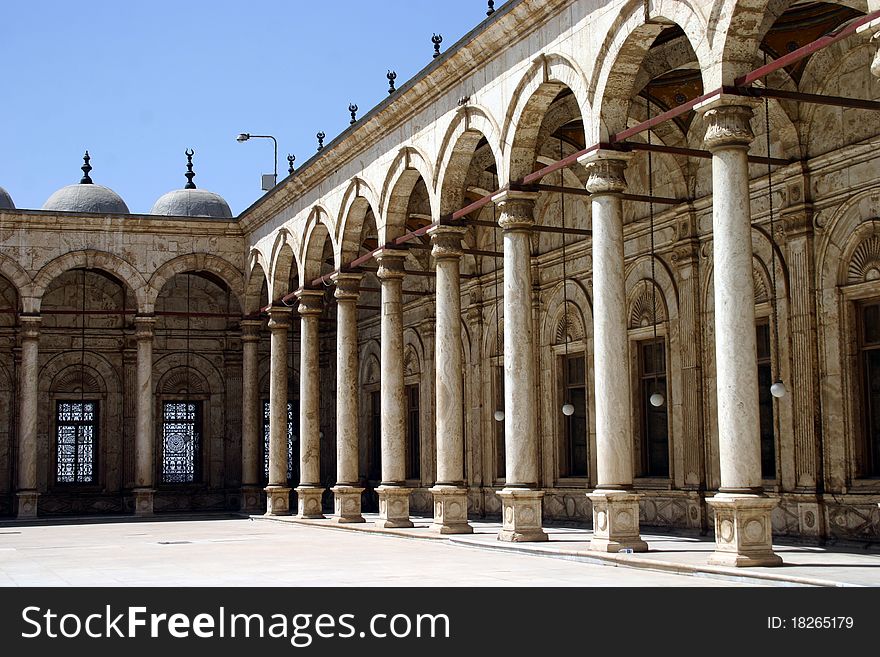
[(596, 342)]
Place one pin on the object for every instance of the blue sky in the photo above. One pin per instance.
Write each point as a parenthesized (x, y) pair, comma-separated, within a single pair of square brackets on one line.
[(137, 83)]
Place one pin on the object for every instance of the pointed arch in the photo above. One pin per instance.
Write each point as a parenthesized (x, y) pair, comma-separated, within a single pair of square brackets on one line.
[(284, 265), (21, 283), (409, 165), (358, 200), (195, 262), (626, 46), (256, 280), (548, 75), (123, 270), (318, 230), (469, 125)]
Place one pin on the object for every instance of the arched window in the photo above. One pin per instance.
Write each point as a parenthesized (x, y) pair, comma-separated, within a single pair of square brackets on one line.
[(181, 441), (292, 455), (76, 437)]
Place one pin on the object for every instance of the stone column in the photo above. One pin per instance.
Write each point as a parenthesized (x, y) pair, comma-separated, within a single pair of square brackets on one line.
[(393, 493), (450, 491), (520, 497), (250, 415), (145, 434), (615, 505), (346, 492), (278, 490), (742, 512), (309, 491), (27, 432)]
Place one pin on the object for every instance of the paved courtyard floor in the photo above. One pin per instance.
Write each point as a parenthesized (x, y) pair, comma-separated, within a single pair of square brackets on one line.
[(259, 551)]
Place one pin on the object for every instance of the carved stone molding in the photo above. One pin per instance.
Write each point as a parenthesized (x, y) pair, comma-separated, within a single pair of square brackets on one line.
[(311, 302), (348, 286), (728, 125), (279, 318), (29, 327), (446, 241), (250, 330), (144, 327), (605, 173), (391, 265), (517, 210)]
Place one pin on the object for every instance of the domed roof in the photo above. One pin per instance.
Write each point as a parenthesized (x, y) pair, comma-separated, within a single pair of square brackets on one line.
[(192, 202), (6, 200), (86, 197)]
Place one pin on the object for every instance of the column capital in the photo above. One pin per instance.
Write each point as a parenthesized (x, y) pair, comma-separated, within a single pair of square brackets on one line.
[(250, 329), (446, 241), (605, 169), (727, 121), (348, 286), (30, 326), (279, 318), (390, 264), (311, 302), (144, 326), (517, 209)]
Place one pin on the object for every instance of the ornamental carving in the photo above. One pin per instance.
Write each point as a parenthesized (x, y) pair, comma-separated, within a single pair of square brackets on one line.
[(606, 176), (311, 302), (865, 262), (348, 286), (446, 242), (569, 327), (728, 126), (517, 212), (390, 266), (410, 361), (76, 380), (641, 313), (762, 293)]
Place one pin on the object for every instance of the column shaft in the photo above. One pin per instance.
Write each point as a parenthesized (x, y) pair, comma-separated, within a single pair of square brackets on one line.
[(393, 494), (520, 498), (615, 507), (346, 492), (144, 438), (27, 431), (250, 414), (742, 513), (278, 491), (309, 491), (450, 493)]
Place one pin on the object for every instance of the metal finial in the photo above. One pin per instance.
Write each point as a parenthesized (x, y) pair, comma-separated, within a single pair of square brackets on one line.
[(392, 76), (352, 108), (436, 39), (85, 180), (189, 169), (491, 8), (290, 159), (320, 137)]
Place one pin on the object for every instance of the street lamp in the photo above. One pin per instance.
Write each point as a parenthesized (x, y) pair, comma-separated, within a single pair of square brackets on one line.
[(269, 181)]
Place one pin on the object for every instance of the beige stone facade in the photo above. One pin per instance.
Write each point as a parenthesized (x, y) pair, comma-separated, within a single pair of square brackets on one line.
[(734, 279)]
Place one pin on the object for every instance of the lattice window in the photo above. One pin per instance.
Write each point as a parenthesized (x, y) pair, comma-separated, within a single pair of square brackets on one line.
[(76, 434), (291, 437), (181, 441)]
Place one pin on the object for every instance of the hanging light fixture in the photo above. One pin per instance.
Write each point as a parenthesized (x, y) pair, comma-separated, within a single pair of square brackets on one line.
[(657, 399), (499, 410), (778, 389), (567, 406)]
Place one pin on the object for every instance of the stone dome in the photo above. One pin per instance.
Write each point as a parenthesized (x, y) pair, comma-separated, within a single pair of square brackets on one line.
[(86, 197), (92, 198), (6, 200), (192, 202)]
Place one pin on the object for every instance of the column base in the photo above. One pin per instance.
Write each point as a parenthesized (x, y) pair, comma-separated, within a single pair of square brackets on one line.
[(347, 504), (393, 507), (450, 510), (521, 515), (616, 521), (27, 504), (277, 501), (143, 501), (743, 536), (309, 502), (251, 499)]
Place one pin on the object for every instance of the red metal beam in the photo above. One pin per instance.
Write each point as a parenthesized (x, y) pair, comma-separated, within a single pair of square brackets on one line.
[(816, 99)]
